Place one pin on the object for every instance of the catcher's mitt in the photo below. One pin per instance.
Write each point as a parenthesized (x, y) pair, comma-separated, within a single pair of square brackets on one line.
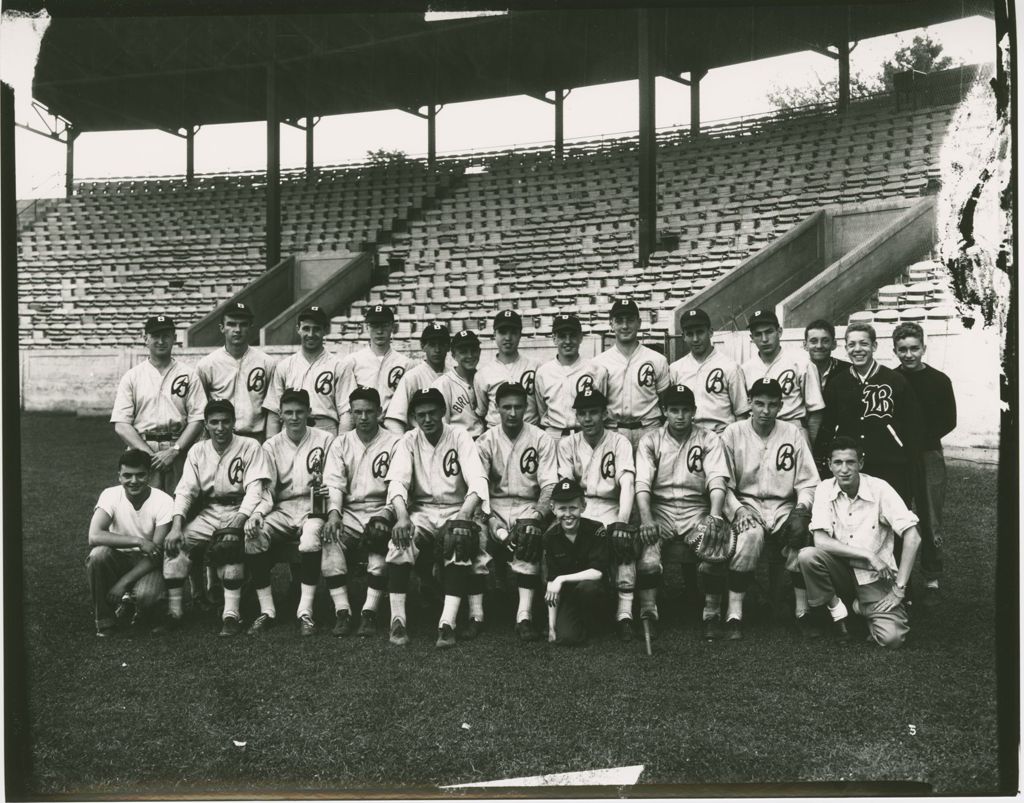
[(377, 535), (461, 540), (227, 546), (527, 541), (712, 540), (795, 531), (623, 540)]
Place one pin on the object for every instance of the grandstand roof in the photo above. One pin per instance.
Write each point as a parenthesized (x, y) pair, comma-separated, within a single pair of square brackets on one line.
[(128, 72)]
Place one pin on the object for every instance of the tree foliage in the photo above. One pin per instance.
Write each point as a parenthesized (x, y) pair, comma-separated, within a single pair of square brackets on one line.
[(382, 156)]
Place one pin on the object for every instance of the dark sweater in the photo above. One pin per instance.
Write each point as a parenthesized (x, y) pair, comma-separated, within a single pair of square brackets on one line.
[(938, 404), (588, 551)]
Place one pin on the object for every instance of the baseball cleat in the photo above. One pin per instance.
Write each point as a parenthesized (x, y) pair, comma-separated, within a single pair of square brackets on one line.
[(711, 629), (230, 626), (625, 629), (807, 627), (261, 624), (526, 631), (473, 629), (855, 607), (931, 598), (342, 623), (126, 608), (839, 632), (367, 624), (445, 637), (166, 624), (398, 635), (105, 631), (306, 626), (734, 630)]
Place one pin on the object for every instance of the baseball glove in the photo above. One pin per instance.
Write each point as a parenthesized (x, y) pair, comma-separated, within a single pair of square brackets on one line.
[(623, 541), (712, 540), (795, 531), (377, 535), (227, 546), (461, 540), (527, 540)]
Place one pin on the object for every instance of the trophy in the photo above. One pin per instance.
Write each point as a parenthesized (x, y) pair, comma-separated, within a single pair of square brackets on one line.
[(317, 491)]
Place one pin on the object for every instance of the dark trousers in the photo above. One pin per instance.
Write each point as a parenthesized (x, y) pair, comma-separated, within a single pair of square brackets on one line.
[(929, 498), (579, 606), (104, 567), (899, 475)]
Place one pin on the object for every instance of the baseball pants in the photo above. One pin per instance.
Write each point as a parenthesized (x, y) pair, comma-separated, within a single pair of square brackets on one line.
[(509, 511), (166, 479), (427, 522), (354, 518), (579, 606), (289, 523), (197, 535), (105, 566), (929, 499), (634, 435), (827, 576)]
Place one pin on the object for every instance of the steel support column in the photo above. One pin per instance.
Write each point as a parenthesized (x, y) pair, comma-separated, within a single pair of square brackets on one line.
[(431, 135), (843, 103), (190, 155), (695, 79), (647, 228), (273, 227), (310, 123), (559, 124), (69, 170)]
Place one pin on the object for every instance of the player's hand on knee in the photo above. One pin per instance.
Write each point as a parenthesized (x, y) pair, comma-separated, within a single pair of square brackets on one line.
[(253, 525), (554, 589), (402, 533), (149, 549), (173, 543), (889, 602), (649, 533), (331, 533), (746, 518)]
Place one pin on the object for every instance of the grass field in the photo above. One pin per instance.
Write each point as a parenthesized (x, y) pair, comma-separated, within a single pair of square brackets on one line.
[(151, 715)]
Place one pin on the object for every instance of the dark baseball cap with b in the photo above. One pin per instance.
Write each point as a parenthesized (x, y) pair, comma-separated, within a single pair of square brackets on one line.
[(315, 314), (467, 337), (678, 395), (566, 490), (566, 322), (159, 323), (761, 317), (509, 389), (425, 396), (435, 331), (295, 395), (694, 317), (363, 393), (218, 406), (589, 398), (238, 309), (624, 306), (380, 313), (765, 387), (508, 319)]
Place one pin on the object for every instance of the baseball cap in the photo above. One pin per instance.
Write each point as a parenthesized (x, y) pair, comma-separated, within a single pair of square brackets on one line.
[(315, 314), (624, 306), (158, 323), (363, 393), (380, 313), (426, 396), (565, 490), (765, 387), (694, 317), (435, 330), (762, 316), (680, 395), (589, 398), (508, 318), (566, 321), (509, 389), (218, 406), (239, 309), (295, 395), (467, 337)]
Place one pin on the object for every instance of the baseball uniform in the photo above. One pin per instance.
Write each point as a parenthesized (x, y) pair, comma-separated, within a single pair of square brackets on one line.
[(491, 376), (243, 381), (461, 402), (599, 470), (327, 379), (796, 374), (555, 390), (382, 372), (416, 377), (718, 387), (634, 383)]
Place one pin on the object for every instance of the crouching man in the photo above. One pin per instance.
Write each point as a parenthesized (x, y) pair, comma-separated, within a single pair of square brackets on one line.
[(854, 520)]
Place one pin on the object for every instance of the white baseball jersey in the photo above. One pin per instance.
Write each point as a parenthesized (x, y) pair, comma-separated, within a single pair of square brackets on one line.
[(523, 469), (718, 386), (556, 387), (599, 469), (161, 403), (292, 465), (460, 401), (770, 474), (442, 475), (794, 371), (126, 520), (634, 384), (417, 377), (685, 472), (489, 378), (243, 381), (381, 372), (234, 477), (356, 472), (327, 379)]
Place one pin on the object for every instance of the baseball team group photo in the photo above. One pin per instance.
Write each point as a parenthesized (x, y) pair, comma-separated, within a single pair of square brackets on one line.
[(663, 462)]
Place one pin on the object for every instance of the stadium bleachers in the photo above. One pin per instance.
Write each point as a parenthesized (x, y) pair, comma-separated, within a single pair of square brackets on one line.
[(922, 293)]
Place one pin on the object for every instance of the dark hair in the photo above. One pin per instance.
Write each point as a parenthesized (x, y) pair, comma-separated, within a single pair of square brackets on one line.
[(821, 323), (134, 458), (908, 329), (842, 442)]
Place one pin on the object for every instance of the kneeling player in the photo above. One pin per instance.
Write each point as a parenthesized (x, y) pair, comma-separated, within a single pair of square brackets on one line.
[(681, 477), (356, 478), (295, 457), (436, 485), (575, 557), (521, 466), (221, 484)]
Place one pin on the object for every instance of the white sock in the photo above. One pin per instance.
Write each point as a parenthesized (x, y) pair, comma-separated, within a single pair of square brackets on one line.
[(451, 610), (525, 605), (373, 596), (340, 597), (266, 598), (837, 609), (476, 607), (625, 610), (735, 610), (712, 605), (306, 600), (932, 584), (174, 602), (397, 607), (648, 601), (232, 602), (801, 601)]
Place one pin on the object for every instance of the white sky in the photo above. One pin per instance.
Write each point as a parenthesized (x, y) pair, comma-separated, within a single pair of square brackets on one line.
[(589, 112)]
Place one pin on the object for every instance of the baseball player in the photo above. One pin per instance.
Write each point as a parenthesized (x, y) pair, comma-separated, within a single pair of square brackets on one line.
[(575, 558), (716, 380), (563, 376), (636, 375), (128, 527), (601, 460), (377, 365), (435, 477), (521, 466), (325, 376), (819, 343), (771, 472), (239, 372), (802, 402), (434, 340), (295, 459), (356, 478), (508, 366), (854, 521), (158, 408), (457, 384), (221, 485), (681, 477)]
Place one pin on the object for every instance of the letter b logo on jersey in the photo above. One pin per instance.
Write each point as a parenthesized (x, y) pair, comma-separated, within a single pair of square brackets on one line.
[(324, 384), (608, 466), (179, 387), (695, 460), (450, 464), (529, 461), (877, 400), (585, 382), (257, 380), (787, 381), (785, 458), (235, 471), (381, 464), (315, 460), (526, 380), (715, 382), (645, 376), (394, 375)]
